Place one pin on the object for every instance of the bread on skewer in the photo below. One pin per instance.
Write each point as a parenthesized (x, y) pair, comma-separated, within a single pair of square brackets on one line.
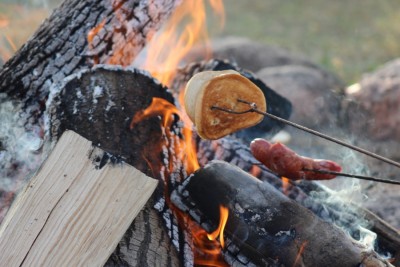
[(222, 89)]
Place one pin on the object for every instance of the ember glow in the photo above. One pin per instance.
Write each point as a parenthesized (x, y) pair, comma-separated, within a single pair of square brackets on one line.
[(285, 185), (299, 254)]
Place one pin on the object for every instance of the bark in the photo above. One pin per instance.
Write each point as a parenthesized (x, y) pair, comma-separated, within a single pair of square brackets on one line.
[(60, 46), (145, 243), (265, 225)]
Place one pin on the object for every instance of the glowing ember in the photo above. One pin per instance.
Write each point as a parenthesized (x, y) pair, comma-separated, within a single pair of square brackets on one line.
[(285, 185), (301, 250), (223, 218)]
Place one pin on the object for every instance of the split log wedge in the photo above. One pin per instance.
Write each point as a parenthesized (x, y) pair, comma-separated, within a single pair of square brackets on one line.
[(73, 213)]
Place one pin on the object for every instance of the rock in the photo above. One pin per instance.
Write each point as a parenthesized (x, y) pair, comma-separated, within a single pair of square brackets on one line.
[(373, 109), (315, 102)]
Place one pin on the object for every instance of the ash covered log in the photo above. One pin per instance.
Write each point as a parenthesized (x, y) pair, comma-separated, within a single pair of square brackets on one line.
[(264, 225)]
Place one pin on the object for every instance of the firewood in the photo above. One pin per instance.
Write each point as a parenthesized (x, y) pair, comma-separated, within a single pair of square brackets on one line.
[(78, 35), (73, 212), (265, 225)]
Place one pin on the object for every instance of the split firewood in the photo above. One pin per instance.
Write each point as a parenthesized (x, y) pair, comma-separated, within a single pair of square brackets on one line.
[(73, 212), (264, 225), (223, 89), (285, 162)]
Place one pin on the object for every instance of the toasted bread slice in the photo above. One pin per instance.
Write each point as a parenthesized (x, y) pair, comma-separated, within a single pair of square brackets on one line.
[(222, 89)]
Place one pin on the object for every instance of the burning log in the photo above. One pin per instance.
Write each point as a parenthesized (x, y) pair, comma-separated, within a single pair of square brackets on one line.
[(264, 225), (60, 47), (99, 104)]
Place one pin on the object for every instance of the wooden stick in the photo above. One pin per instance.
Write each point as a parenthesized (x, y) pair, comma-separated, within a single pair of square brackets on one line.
[(72, 213)]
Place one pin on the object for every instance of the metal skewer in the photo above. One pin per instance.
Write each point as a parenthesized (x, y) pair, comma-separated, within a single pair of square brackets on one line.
[(253, 108), (362, 177)]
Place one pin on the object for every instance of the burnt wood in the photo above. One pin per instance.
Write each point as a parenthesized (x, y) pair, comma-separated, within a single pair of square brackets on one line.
[(99, 104), (265, 225), (307, 193), (60, 46)]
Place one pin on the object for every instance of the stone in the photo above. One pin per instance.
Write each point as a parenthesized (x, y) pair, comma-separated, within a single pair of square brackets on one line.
[(316, 101), (373, 106)]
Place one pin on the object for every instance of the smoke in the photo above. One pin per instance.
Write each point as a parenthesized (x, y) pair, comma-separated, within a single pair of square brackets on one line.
[(20, 145)]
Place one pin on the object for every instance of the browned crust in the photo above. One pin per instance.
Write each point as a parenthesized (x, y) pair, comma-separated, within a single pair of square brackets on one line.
[(223, 91)]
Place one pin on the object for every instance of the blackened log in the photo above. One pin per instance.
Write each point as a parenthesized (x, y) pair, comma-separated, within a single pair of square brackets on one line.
[(99, 104), (265, 225), (307, 193), (119, 30)]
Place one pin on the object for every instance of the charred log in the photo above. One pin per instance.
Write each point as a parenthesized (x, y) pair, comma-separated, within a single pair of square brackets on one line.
[(265, 225), (61, 46), (307, 193), (99, 104)]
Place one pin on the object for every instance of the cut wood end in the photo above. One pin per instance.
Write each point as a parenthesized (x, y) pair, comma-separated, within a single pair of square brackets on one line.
[(72, 212)]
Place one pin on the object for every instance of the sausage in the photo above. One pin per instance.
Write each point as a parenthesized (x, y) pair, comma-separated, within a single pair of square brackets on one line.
[(285, 162)]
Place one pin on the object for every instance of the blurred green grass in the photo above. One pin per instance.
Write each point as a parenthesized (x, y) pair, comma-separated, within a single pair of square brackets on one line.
[(347, 37)]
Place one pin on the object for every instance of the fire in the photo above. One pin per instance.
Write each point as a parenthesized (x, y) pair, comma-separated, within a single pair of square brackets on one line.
[(167, 49), (164, 53), (207, 250), (161, 107), (224, 212)]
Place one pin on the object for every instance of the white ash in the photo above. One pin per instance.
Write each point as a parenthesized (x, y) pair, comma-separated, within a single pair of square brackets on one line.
[(160, 205), (280, 233)]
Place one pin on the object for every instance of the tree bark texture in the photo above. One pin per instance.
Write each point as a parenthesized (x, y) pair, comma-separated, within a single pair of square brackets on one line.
[(118, 30)]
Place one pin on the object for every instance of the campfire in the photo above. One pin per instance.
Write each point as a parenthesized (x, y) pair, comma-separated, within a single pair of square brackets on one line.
[(109, 75)]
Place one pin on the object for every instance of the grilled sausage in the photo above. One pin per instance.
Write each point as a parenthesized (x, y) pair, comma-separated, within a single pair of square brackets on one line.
[(285, 162)]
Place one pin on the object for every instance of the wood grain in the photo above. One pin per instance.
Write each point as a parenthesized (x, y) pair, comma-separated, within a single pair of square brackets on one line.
[(72, 213)]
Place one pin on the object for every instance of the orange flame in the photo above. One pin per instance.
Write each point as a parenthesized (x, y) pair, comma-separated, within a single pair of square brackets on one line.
[(223, 218), (93, 32), (165, 52), (161, 107), (167, 49)]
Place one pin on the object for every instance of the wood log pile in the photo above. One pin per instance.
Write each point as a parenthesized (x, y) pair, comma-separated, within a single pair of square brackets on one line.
[(51, 85)]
